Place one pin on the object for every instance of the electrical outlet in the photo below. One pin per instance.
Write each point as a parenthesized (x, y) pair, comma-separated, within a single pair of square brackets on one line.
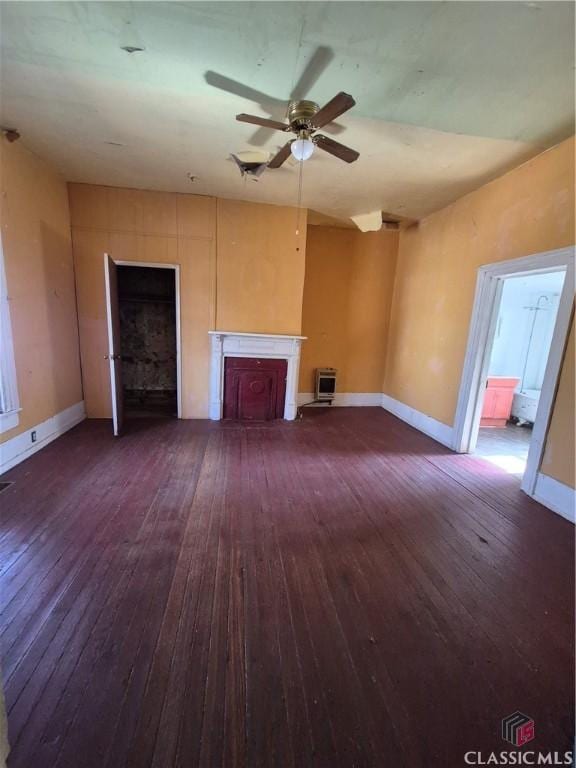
[(33, 435)]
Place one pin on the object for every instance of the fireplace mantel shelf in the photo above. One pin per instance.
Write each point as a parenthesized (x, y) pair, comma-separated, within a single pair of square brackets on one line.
[(257, 335), (241, 344)]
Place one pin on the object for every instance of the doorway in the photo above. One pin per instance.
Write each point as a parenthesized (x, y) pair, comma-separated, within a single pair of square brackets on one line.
[(516, 343), (517, 364), (143, 318), (147, 305)]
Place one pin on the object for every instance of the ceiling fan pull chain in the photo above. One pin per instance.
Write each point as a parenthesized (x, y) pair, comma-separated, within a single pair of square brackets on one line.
[(299, 203)]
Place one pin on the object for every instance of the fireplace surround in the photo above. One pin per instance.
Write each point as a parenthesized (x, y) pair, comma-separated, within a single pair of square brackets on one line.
[(259, 345)]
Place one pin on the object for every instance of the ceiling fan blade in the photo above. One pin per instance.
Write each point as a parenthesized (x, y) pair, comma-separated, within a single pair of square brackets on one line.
[(341, 103), (281, 156), (335, 148), (320, 59), (255, 120)]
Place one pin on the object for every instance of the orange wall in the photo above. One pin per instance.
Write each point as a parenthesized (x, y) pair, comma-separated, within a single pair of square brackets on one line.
[(238, 271), (347, 297), (260, 273), (40, 278), (529, 210)]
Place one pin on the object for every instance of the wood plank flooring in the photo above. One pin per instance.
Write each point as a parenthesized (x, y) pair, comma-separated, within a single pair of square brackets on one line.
[(340, 591), (501, 443)]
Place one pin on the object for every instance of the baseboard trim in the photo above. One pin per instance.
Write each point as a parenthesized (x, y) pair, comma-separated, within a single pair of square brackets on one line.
[(21, 447), (344, 399), (556, 496), (440, 432)]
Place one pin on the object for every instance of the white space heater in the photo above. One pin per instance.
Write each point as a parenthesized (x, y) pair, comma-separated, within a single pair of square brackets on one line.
[(325, 384)]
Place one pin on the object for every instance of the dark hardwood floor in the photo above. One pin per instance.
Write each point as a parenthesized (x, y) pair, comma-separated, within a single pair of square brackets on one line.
[(340, 591)]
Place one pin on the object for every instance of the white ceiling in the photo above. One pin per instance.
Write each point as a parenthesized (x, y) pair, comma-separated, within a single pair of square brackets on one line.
[(448, 95)]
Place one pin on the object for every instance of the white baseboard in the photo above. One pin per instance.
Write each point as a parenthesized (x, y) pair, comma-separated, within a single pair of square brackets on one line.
[(556, 496), (442, 433), (21, 447), (344, 399)]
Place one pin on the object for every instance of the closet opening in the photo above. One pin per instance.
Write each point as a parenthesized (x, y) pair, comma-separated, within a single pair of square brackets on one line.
[(147, 301)]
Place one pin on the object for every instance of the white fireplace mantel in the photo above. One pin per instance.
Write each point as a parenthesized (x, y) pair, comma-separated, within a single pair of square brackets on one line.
[(239, 344)]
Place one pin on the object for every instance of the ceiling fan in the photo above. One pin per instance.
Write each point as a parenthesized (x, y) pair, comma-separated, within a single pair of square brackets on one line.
[(304, 119)]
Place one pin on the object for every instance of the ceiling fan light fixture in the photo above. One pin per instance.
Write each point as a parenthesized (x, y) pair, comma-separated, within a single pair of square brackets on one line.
[(302, 149)]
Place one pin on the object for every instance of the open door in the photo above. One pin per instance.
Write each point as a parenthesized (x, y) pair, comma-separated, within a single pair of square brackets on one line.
[(114, 358)]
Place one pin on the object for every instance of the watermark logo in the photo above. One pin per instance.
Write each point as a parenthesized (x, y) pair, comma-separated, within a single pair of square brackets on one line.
[(518, 729)]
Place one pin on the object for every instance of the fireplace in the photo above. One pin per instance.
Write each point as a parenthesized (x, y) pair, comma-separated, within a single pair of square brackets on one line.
[(265, 347), (254, 388)]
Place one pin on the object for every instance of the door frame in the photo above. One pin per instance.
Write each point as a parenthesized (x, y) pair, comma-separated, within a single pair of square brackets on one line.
[(176, 268), (485, 310)]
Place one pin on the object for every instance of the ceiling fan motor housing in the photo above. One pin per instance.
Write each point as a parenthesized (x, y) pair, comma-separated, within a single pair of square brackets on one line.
[(300, 114)]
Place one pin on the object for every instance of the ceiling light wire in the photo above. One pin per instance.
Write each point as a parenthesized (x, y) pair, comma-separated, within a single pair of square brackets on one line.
[(299, 202)]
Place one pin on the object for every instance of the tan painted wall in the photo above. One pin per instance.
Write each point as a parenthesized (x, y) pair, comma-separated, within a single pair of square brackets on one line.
[(528, 210), (40, 277), (238, 271), (347, 297), (260, 273)]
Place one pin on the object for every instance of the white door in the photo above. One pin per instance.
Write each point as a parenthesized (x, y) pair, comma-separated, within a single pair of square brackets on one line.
[(114, 358)]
